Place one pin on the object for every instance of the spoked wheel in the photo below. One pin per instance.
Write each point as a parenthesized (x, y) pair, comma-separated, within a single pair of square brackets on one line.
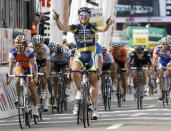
[(29, 118), (138, 102), (40, 114), (79, 113), (84, 116), (21, 110)]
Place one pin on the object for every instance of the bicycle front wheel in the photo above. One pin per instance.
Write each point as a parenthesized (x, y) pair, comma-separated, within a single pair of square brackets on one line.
[(21, 109)]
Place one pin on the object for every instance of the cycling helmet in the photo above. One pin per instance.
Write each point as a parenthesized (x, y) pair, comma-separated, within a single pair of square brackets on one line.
[(164, 40), (20, 41), (117, 45), (37, 40), (58, 49), (139, 48), (84, 9), (104, 50), (51, 46)]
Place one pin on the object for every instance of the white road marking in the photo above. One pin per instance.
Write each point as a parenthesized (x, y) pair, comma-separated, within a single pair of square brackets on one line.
[(114, 126)]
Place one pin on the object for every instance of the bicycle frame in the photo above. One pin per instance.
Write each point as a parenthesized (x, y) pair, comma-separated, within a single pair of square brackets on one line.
[(139, 86)]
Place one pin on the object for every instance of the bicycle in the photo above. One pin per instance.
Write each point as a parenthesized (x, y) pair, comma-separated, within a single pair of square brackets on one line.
[(40, 98), (24, 102), (107, 90), (165, 87), (119, 90), (139, 87), (62, 97), (85, 104)]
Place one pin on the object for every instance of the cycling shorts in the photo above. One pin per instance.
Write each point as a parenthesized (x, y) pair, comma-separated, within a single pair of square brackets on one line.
[(106, 66), (26, 70)]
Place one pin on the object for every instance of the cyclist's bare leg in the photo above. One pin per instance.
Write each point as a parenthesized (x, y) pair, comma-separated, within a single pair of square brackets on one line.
[(75, 75), (134, 77), (93, 82), (55, 79), (124, 79), (161, 77), (102, 82), (32, 87)]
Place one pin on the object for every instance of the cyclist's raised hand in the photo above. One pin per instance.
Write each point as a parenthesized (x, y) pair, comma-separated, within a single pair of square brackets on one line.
[(55, 15), (109, 21)]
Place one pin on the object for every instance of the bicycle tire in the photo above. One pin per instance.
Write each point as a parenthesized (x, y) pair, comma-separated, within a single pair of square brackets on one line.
[(109, 98), (163, 96), (79, 114), (104, 92), (21, 109), (84, 108)]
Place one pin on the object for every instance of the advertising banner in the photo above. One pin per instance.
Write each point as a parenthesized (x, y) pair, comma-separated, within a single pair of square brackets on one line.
[(140, 36)]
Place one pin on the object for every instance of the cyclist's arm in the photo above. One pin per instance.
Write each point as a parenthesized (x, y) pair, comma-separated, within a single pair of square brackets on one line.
[(32, 65), (48, 67), (62, 27), (155, 60), (10, 67), (103, 28)]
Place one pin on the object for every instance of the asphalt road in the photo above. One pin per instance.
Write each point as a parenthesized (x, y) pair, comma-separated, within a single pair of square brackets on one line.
[(153, 117)]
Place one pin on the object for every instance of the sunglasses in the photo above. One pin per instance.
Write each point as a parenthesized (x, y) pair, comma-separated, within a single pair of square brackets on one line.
[(165, 43), (140, 52), (84, 14), (19, 47), (37, 45)]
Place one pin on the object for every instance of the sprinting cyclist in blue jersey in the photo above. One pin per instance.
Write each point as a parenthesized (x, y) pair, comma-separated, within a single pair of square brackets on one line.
[(162, 54), (85, 43)]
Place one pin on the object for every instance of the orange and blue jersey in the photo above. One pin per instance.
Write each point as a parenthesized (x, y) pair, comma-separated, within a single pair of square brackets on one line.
[(23, 61)]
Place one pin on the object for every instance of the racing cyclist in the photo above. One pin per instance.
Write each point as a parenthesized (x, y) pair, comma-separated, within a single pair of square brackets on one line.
[(59, 62), (24, 56), (42, 54), (162, 55), (120, 56), (140, 58), (84, 34)]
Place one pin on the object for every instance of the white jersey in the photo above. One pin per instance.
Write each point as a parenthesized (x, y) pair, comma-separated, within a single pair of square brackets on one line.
[(43, 54), (108, 58)]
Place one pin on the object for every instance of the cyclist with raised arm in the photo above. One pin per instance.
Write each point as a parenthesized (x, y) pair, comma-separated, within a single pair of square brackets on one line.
[(24, 56), (85, 43), (42, 55), (59, 62), (162, 55), (120, 56), (140, 58)]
